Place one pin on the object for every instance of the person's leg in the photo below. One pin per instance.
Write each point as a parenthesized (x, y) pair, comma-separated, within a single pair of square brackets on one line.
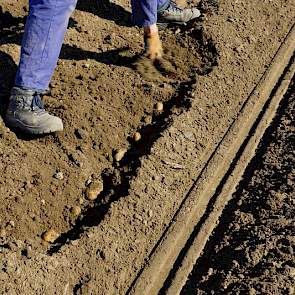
[(144, 12), (42, 41), (150, 13), (162, 5)]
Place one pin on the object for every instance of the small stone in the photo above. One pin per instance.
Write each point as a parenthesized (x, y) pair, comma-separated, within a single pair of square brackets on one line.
[(159, 106), (90, 235), (235, 263), (19, 243), (32, 215), (12, 223), (252, 39), (74, 242), (88, 181), (50, 236), (81, 201), (76, 210), (120, 154), (59, 175), (148, 119), (150, 213), (43, 202), (94, 189), (210, 271), (2, 233), (189, 135), (136, 136)]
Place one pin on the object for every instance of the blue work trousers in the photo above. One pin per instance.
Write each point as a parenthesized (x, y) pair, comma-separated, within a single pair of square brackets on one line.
[(44, 34)]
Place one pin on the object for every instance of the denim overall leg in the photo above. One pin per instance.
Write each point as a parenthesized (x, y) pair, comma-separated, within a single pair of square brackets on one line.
[(44, 33)]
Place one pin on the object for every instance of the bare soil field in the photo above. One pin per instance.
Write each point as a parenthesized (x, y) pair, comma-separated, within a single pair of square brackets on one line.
[(252, 249), (103, 102), (104, 96)]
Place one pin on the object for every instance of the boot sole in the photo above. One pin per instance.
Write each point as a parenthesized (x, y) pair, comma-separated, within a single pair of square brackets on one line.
[(16, 124)]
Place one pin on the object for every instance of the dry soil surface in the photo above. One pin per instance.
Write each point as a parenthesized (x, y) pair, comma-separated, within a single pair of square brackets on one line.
[(252, 249), (103, 100)]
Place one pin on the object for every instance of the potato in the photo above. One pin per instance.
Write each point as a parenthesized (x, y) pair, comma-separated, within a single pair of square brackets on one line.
[(93, 190), (148, 119), (76, 210), (136, 136), (159, 106), (120, 154), (50, 236)]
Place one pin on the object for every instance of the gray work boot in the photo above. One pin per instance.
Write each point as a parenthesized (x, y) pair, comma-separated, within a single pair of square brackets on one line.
[(175, 15), (26, 112)]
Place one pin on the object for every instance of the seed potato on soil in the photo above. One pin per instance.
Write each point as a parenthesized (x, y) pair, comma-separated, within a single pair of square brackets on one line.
[(120, 154), (93, 190), (95, 90), (136, 136), (76, 211), (110, 100), (159, 106), (50, 236)]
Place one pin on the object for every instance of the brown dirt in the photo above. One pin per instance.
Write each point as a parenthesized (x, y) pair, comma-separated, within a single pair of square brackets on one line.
[(252, 250), (103, 101)]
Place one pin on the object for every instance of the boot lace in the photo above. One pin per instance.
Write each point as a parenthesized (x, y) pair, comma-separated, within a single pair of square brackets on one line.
[(173, 9), (37, 104)]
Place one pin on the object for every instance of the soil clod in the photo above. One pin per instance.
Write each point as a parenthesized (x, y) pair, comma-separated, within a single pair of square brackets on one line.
[(59, 175)]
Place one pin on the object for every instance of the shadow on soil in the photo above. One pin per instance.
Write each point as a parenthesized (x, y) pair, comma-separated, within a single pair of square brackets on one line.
[(117, 180), (12, 30), (106, 10), (223, 260), (111, 57), (7, 73)]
